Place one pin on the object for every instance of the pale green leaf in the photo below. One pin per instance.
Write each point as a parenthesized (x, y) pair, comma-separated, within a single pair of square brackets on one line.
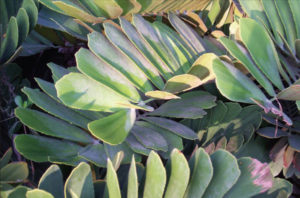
[(80, 183), (145, 48), (132, 190), (180, 174), (264, 56), (111, 7), (119, 39), (238, 53), (161, 95), (114, 128), (234, 85), (14, 172), (104, 49), (77, 12), (290, 93), (112, 181), (181, 83), (37, 193), (80, 92), (155, 177), (92, 66)]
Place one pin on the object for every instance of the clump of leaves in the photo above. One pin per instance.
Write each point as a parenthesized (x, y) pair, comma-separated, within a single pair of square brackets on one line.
[(281, 20), (17, 19), (226, 126), (112, 94), (254, 53), (285, 153), (11, 173), (218, 175), (97, 11)]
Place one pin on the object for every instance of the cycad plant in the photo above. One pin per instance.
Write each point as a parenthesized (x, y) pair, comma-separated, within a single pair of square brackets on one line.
[(281, 20), (81, 16), (17, 19), (226, 126), (204, 175), (11, 173), (275, 77), (110, 95), (95, 11)]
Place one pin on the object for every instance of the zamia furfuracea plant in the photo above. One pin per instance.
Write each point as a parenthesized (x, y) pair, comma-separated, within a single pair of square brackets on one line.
[(281, 20), (217, 175), (108, 102), (226, 126), (17, 19), (13, 172), (254, 52), (96, 11)]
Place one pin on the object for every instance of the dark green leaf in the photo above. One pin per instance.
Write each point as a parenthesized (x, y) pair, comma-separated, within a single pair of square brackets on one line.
[(52, 181), (6, 158), (149, 138), (52, 126), (255, 178), (271, 132), (172, 126), (190, 106), (136, 146), (14, 172), (226, 174), (55, 108), (201, 174), (95, 154), (294, 141), (112, 150), (39, 148), (10, 42)]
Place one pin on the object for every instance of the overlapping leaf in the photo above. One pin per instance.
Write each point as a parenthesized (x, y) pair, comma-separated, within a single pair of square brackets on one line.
[(227, 125), (197, 178), (17, 19), (265, 67), (95, 11), (280, 18), (122, 67)]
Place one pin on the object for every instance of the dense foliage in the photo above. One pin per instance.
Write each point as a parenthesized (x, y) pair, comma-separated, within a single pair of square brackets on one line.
[(150, 98)]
